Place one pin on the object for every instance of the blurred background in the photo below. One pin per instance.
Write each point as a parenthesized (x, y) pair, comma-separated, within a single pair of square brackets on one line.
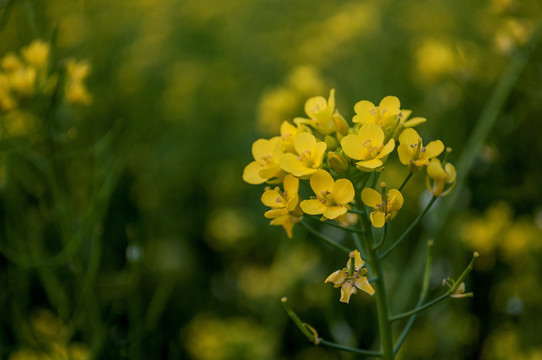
[(127, 232)]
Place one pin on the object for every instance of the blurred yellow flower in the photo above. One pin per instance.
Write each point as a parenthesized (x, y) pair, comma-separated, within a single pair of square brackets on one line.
[(76, 91), (285, 210), (36, 54), (368, 147), (384, 210), (308, 159), (441, 176), (331, 196), (265, 166), (351, 278), (412, 152)]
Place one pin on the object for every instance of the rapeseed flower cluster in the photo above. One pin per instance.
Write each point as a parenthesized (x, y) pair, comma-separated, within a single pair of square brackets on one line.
[(335, 159)]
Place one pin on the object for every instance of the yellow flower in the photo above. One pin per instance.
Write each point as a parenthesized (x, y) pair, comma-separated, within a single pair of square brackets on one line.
[(351, 278), (320, 114), (36, 54), (331, 196), (367, 146), (385, 115), (384, 210), (412, 152), (7, 101), (265, 166), (23, 80), (288, 134), (440, 176), (285, 210), (76, 91), (11, 62), (310, 154)]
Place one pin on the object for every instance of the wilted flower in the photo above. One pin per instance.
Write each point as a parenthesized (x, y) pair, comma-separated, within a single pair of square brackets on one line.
[(351, 278)]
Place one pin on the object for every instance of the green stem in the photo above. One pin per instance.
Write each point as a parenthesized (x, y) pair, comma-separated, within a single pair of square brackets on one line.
[(463, 275), (419, 308), (486, 121), (409, 229), (325, 238), (405, 181), (313, 336), (381, 242), (382, 306), (423, 295), (345, 228)]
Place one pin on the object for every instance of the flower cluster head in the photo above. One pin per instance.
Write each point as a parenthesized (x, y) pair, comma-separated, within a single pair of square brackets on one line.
[(351, 278), (331, 155), (29, 74)]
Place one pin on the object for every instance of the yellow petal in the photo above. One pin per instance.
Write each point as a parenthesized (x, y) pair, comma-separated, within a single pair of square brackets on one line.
[(263, 147), (287, 222), (314, 105), (322, 181), (395, 199), (313, 207), (304, 141), (347, 290), (318, 153), (364, 112), (337, 278), (433, 149), (251, 174), (373, 133), (388, 148), (369, 165), (378, 219), (406, 153), (435, 170), (273, 199), (389, 106), (414, 122), (291, 164), (343, 191), (291, 185), (275, 213), (450, 170), (332, 212), (269, 171), (353, 146), (358, 262), (287, 129), (409, 137), (371, 197), (363, 284)]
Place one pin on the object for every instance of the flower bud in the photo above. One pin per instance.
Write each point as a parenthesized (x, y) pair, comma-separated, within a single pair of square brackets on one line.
[(340, 124), (331, 142), (336, 161)]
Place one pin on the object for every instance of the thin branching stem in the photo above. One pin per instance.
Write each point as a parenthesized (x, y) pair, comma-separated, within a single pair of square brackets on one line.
[(335, 225), (409, 229), (383, 239), (325, 238), (312, 335), (405, 181), (419, 308)]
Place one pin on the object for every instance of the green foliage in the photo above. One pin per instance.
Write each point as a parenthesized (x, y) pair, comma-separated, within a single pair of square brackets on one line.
[(127, 232)]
